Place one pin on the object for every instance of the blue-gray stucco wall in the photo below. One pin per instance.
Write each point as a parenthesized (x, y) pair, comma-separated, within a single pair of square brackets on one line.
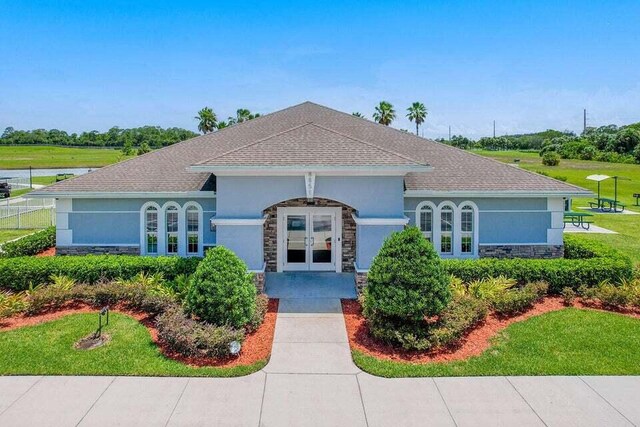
[(117, 221), (501, 220), (247, 197)]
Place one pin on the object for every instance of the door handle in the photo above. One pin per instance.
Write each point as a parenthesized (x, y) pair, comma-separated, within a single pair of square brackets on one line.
[(313, 241)]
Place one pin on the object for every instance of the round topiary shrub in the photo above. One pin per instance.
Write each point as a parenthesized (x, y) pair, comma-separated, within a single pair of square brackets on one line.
[(551, 158), (406, 281), (222, 291)]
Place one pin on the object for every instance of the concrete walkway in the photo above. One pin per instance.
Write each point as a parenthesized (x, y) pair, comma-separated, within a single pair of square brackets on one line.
[(312, 381)]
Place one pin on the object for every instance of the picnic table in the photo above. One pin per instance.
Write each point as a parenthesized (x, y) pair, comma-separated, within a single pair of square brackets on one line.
[(579, 219), (607, 205)]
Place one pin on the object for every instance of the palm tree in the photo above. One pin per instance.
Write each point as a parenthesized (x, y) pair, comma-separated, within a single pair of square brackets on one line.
[(385, 113), (207, 120), (357, 114), (417, 113)]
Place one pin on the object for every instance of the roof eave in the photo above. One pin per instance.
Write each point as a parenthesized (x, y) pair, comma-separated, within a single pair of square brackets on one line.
[(343, 170), (498, 193), (117, 194)]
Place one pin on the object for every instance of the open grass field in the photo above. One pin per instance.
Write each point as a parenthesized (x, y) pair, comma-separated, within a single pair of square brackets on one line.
[(21, 157), (48, 349), (565, 342), (575, 172), (6, 235)]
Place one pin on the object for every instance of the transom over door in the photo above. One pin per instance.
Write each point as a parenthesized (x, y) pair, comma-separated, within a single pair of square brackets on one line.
[(310, 239)]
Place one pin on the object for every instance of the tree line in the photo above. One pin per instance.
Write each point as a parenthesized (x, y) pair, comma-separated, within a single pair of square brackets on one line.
[(152, 136), (610, 143)]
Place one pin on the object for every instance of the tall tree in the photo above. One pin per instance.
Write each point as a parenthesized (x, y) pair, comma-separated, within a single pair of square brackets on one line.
[(417, 113), (385, 114), (207, 120)]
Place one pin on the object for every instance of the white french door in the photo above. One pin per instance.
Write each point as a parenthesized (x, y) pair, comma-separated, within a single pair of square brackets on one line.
[(309, 239)]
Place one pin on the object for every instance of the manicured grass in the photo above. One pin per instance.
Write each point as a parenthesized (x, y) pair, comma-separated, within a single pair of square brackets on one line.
[(21, 157), (48, 349), (575, 172), (565, 342), (6, 235)]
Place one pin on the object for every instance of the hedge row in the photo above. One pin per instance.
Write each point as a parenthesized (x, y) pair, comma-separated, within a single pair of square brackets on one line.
[(18, 273), (585, 263), (30, 245)]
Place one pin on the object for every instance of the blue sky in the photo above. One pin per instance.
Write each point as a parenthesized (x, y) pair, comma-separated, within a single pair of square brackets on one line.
[(530, 65)]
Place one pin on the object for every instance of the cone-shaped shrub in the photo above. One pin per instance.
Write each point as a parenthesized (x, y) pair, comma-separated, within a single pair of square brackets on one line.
[(222, 291), (406, 281)]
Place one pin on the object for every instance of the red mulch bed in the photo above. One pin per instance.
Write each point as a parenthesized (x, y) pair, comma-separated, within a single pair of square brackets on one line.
[(473, 344), (47, 252), (256, 346)]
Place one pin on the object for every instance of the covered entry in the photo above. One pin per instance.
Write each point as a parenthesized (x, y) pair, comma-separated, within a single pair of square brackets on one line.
[(309, 239)]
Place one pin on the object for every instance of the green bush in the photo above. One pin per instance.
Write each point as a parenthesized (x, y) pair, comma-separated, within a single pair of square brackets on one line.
[(518, 300), (222, 292), (617, 296), (585, 263), (262, 305), (30, 245), (462, 314), (551, 158), (191, 338), (406, 280), (21, 272), (568, 296)]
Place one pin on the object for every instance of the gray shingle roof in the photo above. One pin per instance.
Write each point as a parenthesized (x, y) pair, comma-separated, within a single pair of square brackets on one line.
[(309, 134)]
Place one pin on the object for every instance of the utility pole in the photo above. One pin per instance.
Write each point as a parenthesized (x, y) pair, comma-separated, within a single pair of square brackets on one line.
[(449, 133), (584, 121), (494, 128)]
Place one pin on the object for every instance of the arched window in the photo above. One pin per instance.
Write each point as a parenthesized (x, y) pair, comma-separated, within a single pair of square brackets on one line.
[(425, 221), (466, 230), (446, 230), (171, 221), (192, 214), (151, 230)]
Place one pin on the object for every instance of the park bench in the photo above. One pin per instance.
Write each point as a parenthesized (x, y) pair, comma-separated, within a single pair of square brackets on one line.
[(578, 219), (607, 205), (637, 196)]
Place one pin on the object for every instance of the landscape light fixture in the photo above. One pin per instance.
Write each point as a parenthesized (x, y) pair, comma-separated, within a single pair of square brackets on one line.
[(234, 347)]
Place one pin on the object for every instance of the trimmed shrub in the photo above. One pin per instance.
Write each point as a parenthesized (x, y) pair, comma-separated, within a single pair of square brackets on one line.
[(459, 317), (551, 158), (406, 280), (191, 338), (518, 300), (262, 305), (568, 296), (30, 245), (585, 263), (21, 272), (222, 292)]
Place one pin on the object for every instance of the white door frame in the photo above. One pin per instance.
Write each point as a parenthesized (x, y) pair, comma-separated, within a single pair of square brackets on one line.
[(336, 241)]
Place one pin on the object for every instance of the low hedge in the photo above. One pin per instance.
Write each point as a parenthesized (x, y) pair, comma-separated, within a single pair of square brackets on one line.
[(29, 245), (18, 273), (585, 263)]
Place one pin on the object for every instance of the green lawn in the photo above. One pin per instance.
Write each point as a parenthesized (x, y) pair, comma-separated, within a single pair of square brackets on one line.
[(575, 172), (48, 349), (6, 235), (565, 342), (21, 157)]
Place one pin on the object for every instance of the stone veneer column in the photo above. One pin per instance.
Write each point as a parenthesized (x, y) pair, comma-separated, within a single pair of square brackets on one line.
[(348, 231)]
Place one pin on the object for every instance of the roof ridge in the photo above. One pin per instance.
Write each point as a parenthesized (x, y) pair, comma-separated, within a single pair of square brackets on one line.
[(253, 143), (369, 144)]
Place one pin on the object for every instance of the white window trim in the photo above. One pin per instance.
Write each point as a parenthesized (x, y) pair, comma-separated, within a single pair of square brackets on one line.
[(436, 230), (476, 216), (143, 227), (434, 213), (200, 228), (162, 228)]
